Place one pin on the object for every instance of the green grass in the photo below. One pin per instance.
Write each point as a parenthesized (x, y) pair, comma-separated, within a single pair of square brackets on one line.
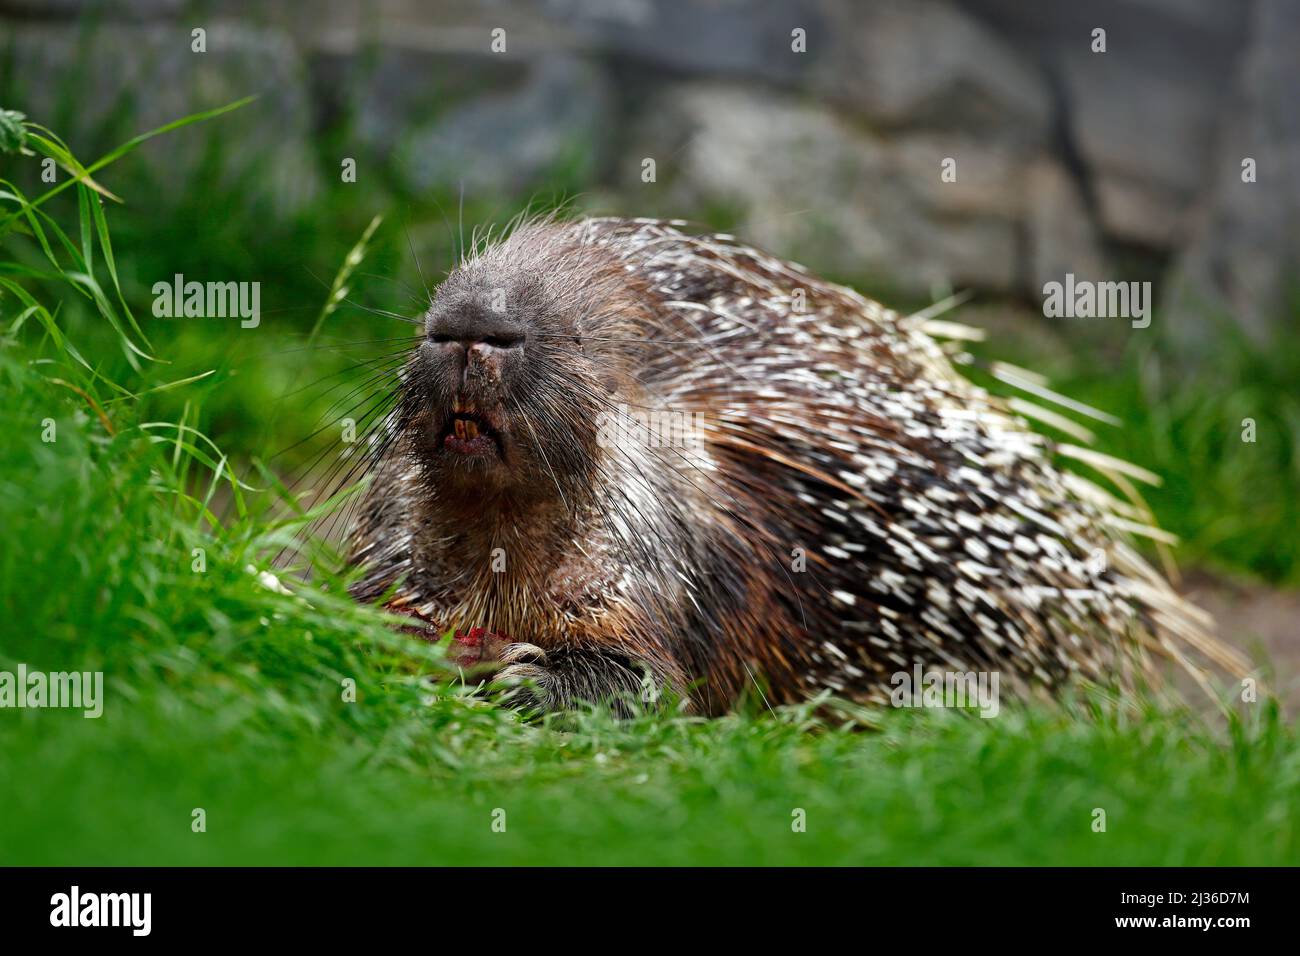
[(1019, 790), (225, 695)]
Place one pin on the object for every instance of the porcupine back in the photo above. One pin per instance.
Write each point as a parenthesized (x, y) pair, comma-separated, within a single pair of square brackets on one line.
[(856, 506)]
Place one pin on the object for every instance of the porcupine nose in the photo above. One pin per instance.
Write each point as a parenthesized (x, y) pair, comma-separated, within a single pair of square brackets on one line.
[(479, 338)]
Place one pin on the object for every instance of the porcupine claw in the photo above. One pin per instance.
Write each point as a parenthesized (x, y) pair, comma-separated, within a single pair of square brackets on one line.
[(526, 673)]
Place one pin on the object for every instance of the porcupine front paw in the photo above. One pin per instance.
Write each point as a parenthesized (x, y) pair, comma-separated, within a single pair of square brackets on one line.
[(537, 680), (525, 675), (516, 664)]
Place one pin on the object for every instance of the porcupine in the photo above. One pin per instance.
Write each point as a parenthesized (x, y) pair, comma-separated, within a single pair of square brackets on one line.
[(850, 506)]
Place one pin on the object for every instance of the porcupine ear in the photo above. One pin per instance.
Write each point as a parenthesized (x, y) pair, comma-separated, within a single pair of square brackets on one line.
[(1183, 632)]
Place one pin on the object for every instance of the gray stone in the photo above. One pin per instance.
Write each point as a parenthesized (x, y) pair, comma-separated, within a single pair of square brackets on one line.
[(718, 38), (1141, 117), (504, 142), (919, 63), (801, 181), (1062, 236), (1145, 138), (1244, 257)]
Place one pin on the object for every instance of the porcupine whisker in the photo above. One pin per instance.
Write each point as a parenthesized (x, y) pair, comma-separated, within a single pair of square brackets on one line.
[(460, 225), (410, 340), (375, 409), (378, 377), (373, 372), (386, 365), (411, 292), (331, 487), (419, 269), (364, 465), (329, 483), (383, 313)]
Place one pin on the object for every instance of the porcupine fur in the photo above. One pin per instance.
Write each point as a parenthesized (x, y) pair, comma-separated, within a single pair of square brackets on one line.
[(935, 527)]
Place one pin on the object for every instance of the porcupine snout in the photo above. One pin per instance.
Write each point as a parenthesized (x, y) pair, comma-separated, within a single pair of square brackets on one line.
[(472, 341)]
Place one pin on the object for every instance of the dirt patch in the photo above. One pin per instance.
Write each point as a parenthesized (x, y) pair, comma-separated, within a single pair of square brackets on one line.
[(1263, 622)]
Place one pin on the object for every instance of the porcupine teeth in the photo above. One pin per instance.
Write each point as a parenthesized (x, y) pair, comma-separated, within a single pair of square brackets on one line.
[(471, 429), (459, 426)]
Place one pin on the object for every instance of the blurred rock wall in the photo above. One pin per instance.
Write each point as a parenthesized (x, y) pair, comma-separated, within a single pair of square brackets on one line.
[(1118, 164)]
